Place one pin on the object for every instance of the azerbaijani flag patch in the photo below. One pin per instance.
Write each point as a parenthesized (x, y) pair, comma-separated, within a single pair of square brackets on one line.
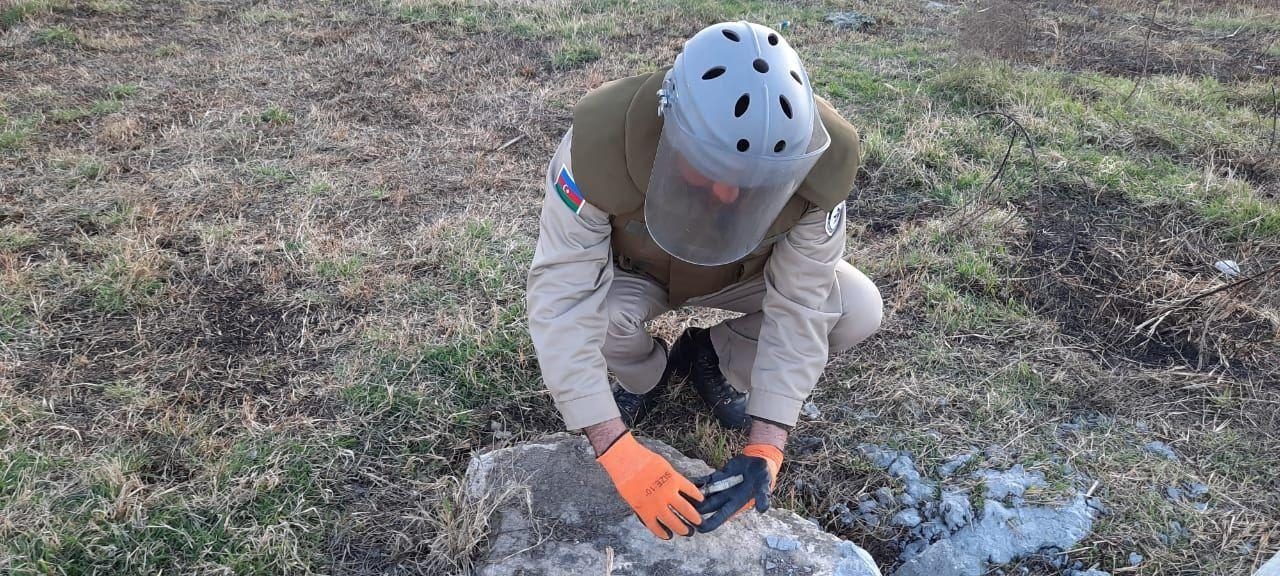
[(568, 190)]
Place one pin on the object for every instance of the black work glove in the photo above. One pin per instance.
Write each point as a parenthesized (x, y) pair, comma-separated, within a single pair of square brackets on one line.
[(757, 467)]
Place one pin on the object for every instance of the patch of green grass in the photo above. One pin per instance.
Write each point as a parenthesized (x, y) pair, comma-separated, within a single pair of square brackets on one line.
[(576, 54), (106, 106), (121, 91), (19, 11), (69, 114), (955, 311), (124, 282), (976, 269), (91, 169), (341, 269), (1242, 212), (319, 187), (109, 105), (15, 137), (117, 215), (265, 15), (1257, 23), (167, 50), (272, 175), (262, 514), (275, 115), (58, 35), (109, 6), (13, 318), (459, 17), (13, 238)]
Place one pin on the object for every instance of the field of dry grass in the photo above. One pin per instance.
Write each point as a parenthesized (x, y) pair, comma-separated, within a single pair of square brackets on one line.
[(262, 267)]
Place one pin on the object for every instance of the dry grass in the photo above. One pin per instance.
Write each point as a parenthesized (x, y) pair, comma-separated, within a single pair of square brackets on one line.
[(262, 267)]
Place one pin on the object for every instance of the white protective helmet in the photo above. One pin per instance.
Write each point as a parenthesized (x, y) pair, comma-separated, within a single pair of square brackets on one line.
[(740, 133)]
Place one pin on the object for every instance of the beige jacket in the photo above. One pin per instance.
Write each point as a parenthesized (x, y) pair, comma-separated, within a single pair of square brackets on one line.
[(569, 280)]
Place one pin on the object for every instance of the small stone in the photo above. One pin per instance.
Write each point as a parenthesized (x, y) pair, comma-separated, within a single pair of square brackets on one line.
[(851, 20), (1012, 482), (908, 518), (810, 411), (1196, 490), (954, 464), (807, 488), (914, 549), (769, 564), (906, 499), (956, 509), (929, 530), (884, 496), (868, 506), (1201, 506), (880, 457), (805, 445), (781, 543), (843, 515), (1161, 449), (1228, 268), (1096, 504), (1135, 558), (1173, 493)]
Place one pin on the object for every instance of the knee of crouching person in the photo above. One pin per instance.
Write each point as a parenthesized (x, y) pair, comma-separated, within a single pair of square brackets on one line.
[(624, 322), (863, 310)]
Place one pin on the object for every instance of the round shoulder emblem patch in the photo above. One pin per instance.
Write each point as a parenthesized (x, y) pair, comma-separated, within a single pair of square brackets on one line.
[(834, 219)]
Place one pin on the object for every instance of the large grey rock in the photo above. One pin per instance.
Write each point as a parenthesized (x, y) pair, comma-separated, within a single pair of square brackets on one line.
[(1271, 568), (573, 522)]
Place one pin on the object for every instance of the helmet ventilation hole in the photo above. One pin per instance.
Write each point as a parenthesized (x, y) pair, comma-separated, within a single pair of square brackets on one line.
[(713, 73), (760, 65), (780, 146), (730, 34), (741, 107), (743, 145), (786, 106), (796, 75), (773, 39)]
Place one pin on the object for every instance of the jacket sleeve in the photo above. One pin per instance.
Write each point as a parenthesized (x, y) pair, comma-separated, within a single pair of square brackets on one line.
[(567, 285), (799, 314)]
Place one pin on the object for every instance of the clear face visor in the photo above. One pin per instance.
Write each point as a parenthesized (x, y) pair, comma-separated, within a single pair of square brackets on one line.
[(711, 220)]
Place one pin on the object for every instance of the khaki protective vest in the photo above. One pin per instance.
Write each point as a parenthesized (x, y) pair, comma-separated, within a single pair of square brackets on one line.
[(615, 139)]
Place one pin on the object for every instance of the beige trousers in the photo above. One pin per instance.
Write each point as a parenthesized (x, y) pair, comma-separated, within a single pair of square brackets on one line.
[(638, 361)]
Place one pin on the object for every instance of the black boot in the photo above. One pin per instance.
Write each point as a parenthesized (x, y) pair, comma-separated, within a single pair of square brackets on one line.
[(636, 407), (693, 357)]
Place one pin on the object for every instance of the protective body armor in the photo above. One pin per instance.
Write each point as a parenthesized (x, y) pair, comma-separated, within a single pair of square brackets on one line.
[(615, 138)]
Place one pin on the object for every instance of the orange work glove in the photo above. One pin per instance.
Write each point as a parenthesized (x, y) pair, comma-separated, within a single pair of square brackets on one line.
[(661, 497), (745, 482)]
